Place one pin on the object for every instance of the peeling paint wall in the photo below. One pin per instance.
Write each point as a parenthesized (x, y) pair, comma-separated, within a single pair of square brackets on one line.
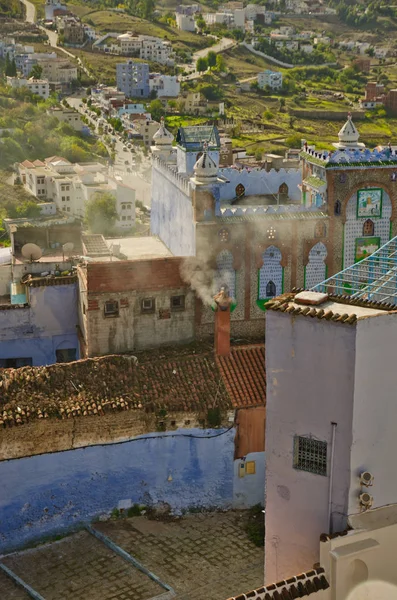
[(50, 493)]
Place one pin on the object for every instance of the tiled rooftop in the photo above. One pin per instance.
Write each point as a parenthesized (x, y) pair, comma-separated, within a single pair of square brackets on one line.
[(244, 374), (295, 587), (177, 380)]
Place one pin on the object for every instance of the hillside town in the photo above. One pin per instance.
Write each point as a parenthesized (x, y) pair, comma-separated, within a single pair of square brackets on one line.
[(197, 236)]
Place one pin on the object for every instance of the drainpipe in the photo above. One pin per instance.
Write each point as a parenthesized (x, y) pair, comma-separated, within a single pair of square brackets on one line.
[(331, 477)]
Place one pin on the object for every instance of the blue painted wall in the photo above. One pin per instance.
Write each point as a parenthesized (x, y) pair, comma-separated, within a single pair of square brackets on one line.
[(250, 489), (260, 182), (172, 216), (46, 494), (48, 324)]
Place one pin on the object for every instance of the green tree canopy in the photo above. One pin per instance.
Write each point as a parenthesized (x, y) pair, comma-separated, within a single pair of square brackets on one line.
[(156, 109), (201, 64), (220, 63), (101, 213), (211, 58), (36, 72)]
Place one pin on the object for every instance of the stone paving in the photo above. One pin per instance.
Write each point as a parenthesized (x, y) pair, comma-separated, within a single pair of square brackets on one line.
[(201, 556), (80, 567), (9, 590)]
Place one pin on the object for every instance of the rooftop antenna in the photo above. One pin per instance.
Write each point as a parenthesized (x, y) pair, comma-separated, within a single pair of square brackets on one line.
[(31, 252)]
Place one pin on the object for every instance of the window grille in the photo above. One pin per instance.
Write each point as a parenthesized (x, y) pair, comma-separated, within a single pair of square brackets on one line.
[(148, 305), (178, 302), (310, 455), (111, 309)]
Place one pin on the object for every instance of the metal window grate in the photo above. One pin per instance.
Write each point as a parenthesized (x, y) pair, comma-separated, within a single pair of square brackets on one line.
[(310, 455)]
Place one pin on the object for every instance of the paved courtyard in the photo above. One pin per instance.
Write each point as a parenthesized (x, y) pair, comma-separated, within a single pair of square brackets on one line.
[(201, 557)]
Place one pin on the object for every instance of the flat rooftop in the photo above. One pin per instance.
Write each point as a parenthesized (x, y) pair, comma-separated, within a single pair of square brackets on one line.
[(141, 247)]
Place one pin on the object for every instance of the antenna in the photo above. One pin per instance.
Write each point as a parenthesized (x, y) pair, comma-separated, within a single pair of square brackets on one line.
[(31, 252)]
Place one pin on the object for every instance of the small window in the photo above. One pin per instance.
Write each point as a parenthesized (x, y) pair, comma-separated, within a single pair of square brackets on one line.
[(310, 455), (240, 190), (66, 355), (368, 227), (178, 302), (337, 208), (111, 308), (270, 289), (148, 305)]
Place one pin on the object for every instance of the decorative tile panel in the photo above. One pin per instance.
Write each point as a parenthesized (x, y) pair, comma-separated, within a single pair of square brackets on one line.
[(316, 268), (270, 274)]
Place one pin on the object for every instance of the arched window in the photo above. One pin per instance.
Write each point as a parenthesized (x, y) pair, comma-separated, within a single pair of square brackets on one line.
[(225, 275), (240, 190), (270, 274), (283, 192), (337, 208), (270, 290), (316, 268), (320, 230), (368, 227)]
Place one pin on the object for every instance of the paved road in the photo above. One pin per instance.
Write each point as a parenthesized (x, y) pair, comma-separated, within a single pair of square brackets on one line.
[(30, 11), (124, 160)]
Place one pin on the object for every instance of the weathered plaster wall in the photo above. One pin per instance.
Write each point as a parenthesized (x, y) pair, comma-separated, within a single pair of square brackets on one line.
[(260, 182), (249, 489), (172, 215), (5, 279), (49, 323), (374, 441), (299, 403), (46, 494)]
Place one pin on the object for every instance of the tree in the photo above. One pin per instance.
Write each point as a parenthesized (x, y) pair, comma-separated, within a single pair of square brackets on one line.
[(101, 213), (10, 67), (211, 59), (36, 72), (220, 63), (201, 64), (156, 109)]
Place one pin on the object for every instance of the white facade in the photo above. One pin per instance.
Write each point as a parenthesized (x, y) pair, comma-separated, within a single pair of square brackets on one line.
[(149, 48), (273, 79), (326, 385), (185, 22), (164, 85), (66, 115), (39, 87), (70, 186)]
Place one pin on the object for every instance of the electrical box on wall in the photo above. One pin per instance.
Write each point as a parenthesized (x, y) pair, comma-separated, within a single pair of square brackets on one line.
[(241, 470), (250, 467)]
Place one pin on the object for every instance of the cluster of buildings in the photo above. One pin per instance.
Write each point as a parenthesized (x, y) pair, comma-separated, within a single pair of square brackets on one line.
[(376, 96), (38, 87), (66, 187), (135, 81), (57, 72), (233, 15), (145, 47), (73, 31)]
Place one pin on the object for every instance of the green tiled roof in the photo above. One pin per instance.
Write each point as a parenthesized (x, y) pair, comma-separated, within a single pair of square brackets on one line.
[(193, 137), (274, 217), (315, 182)]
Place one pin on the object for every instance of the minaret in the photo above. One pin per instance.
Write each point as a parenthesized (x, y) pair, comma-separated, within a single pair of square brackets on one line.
[(162, 147), (349, 136)]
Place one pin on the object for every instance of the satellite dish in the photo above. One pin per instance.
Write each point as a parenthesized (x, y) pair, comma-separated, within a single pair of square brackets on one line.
[(68, 247), (31, 252)]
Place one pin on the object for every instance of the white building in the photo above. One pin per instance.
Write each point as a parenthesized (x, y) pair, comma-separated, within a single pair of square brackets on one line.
[(329, 422), (273, 79), (147, 48), (67, 115), (39, 87), (164, 85), (185, 22), (70, 186)]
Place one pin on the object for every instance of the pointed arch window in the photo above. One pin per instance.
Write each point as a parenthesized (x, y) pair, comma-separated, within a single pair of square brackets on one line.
[(270, 276), (225, 275), (368, 227), (337, 208)]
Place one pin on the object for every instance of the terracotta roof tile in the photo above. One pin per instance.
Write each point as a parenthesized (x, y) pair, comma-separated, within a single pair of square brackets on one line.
[(244, 374), (188, 380), (300, 586)]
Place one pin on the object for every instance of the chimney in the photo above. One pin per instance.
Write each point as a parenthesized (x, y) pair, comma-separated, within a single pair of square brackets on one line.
[(222, 323)]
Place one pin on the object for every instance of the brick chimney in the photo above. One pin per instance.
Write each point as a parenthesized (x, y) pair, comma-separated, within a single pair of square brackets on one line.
[(222, 323)]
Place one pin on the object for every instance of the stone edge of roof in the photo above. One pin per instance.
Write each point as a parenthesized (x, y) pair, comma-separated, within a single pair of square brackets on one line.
[(298, 586)]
